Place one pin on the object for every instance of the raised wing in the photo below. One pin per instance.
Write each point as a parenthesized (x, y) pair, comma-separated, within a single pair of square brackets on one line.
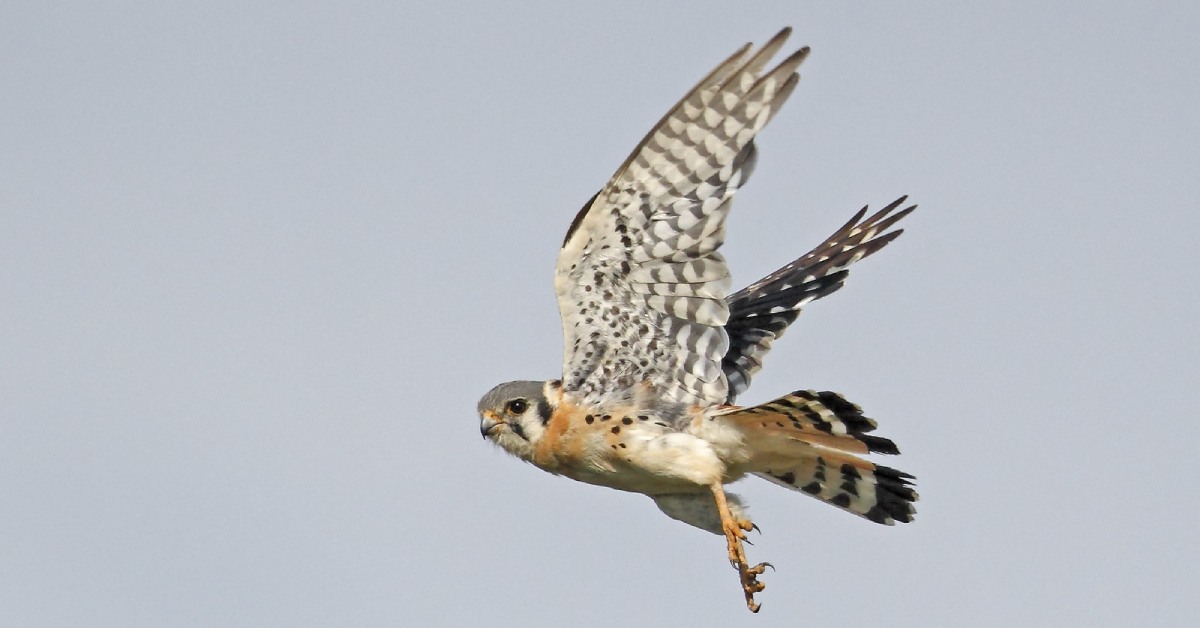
[(641, 286), (761, 312)]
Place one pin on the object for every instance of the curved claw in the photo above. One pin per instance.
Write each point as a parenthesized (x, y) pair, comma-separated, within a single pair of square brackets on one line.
[(759, 569)]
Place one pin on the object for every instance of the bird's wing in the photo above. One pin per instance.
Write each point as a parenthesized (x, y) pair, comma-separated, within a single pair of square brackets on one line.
[(641, 287), (759, 313)]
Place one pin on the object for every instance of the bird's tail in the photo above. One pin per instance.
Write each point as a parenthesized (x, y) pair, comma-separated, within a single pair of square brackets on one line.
[(808, 441)]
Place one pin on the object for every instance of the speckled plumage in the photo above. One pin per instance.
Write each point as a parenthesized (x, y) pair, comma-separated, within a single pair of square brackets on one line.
[(655, 349)]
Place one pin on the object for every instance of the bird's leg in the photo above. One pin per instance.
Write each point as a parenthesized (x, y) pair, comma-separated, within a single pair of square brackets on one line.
[(735, 532)]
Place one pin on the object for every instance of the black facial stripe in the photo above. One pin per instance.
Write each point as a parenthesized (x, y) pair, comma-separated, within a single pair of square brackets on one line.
[(518, 430), (544, 411)]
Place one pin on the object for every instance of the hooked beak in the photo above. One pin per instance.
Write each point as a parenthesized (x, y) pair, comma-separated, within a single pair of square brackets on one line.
[(488, 423)]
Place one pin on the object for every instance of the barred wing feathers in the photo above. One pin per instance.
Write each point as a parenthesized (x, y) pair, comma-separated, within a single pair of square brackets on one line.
[(761, 312), (641, 286)]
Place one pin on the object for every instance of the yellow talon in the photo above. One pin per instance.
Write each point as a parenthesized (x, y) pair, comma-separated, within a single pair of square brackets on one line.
[(735, 532)]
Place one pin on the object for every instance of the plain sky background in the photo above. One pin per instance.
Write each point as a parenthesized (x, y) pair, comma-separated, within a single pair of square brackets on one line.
[(258, 261)]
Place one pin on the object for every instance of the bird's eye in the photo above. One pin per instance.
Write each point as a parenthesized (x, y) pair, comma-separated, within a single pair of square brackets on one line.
[(518, 406)]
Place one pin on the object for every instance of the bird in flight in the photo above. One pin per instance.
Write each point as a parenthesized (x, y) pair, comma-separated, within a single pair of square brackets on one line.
[(656, 352)]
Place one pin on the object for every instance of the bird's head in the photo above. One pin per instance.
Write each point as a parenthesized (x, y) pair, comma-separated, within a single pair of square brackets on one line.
[(514, 415)]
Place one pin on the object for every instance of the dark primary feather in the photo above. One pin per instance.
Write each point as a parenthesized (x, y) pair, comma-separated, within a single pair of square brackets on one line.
[(761, 312)]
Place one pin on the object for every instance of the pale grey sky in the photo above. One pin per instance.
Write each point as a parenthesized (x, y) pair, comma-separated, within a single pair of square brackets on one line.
[(258, 261)]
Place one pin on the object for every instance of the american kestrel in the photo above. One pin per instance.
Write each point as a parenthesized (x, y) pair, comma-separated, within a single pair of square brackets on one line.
[(655, 351)]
